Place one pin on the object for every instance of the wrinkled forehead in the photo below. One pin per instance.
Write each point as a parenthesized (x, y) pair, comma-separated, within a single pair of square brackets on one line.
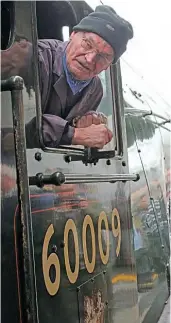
[(98, 41)]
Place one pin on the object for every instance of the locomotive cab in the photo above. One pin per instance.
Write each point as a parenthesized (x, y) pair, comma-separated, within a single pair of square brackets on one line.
[(79, 243)]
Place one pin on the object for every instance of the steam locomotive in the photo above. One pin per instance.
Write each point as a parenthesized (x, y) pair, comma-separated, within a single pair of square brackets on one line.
[(85, 233)]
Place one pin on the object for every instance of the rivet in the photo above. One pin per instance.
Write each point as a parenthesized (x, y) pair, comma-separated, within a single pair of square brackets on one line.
[(67, 159), (62, 244), (38, 156), (54, 248), (108, 162)]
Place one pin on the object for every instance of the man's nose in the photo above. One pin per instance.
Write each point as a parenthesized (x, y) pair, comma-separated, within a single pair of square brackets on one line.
[(90, 57)]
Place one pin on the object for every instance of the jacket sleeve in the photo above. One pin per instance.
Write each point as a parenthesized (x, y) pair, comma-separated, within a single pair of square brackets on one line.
[(57, 131)]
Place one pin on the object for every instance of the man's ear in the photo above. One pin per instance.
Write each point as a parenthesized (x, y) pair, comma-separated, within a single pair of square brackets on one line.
[(72, 34)]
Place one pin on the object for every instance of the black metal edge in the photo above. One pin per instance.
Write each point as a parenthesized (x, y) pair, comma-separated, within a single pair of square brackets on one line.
[(24, 203), (36, 77), (118, 100), (13, 83)]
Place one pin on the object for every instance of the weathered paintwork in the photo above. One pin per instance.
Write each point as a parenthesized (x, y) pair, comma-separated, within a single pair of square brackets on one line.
[(148, 155), (116, 268)]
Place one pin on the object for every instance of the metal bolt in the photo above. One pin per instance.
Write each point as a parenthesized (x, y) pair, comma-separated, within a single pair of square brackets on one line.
[(108, 162), (106, 302), (67, 159), (54, 248), (139, 150), (62, 244), (123, 163), (104, 272), (38, 156), (92, 280)]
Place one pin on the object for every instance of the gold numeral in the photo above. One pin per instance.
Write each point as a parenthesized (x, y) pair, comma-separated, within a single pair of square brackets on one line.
[(103, 217), (72, 276), (116, 231), (89, 265), (47, 262)]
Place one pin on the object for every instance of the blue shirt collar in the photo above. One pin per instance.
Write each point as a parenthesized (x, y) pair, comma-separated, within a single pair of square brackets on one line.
[(75, 85)]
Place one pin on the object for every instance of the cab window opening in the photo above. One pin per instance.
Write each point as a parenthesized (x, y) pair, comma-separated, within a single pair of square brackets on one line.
[(60, 28)]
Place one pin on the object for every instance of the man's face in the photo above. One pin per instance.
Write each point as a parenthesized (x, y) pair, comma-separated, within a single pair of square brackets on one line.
[(87, 54)]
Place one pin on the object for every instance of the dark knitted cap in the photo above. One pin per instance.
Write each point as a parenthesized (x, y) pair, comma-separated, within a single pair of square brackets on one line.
[(105, 22)]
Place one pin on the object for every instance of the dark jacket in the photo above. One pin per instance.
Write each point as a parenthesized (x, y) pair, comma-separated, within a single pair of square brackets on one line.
[(59, 105)]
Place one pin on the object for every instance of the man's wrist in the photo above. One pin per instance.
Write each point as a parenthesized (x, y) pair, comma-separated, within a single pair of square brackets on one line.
[(78, 136)]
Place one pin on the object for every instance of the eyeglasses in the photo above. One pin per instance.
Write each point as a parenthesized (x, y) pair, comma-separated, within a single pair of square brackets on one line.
[(101, 58)]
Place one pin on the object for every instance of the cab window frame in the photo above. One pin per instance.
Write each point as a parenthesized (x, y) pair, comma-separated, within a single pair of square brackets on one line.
[(116, 94)]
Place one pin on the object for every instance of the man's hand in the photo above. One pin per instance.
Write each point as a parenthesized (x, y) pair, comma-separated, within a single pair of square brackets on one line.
[(15, 59), (91, 118), (94, 136)]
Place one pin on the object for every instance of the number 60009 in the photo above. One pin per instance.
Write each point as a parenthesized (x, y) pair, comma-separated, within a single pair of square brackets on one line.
[(53, 259)]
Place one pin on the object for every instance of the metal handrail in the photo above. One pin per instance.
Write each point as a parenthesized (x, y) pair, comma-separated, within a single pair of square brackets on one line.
[(59, 178), (15, 85), (70, 179)]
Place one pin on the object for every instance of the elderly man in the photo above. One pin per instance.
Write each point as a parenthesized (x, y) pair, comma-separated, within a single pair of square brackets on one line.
[(70, 88)]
